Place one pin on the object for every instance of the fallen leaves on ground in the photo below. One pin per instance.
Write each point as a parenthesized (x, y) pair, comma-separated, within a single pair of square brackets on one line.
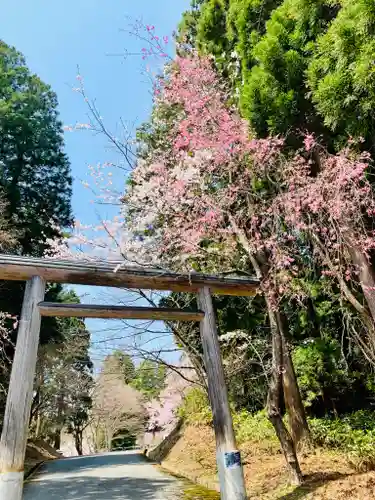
[(327, 474)]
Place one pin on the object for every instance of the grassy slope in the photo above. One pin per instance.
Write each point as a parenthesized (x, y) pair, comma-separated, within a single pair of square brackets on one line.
[(327, 474)]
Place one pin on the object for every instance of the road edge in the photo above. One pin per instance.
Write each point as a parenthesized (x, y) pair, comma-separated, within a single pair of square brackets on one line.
[(34, 469)]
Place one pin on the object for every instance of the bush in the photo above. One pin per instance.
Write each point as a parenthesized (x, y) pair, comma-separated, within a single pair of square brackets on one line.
[(353, 434), (329, 382), (255, 428), (195, 408)]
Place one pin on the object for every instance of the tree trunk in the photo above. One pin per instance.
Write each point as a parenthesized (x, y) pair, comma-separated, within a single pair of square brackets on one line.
[(261, 268), (37, 399), (35, 408), (38, 424), (60, 410), (274, 403), (57, 439), (366, 277), (78, 436), (299, 427), (108, 438)]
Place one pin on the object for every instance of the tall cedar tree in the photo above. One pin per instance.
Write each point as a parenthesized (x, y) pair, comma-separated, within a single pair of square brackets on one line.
[(35, 172), (35, 178)]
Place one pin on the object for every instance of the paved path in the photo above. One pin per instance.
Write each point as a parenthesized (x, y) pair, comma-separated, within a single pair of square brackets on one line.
[(111, 476)]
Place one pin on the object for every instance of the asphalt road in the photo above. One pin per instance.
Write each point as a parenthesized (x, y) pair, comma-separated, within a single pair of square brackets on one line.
[(111, 476)]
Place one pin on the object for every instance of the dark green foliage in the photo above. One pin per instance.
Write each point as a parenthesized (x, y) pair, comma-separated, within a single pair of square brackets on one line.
[(332, 374), (187, 29), (73, 329), (341, 72), (35, 173), (264, 48), (246, 22), (123, 440), (274, 94), (327, 382), (125, 364), (353, 434), (295, 65), (245, 344), (35, 180), (211, 29)]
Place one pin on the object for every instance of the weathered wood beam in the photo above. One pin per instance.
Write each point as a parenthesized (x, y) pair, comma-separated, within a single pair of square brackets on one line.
[(230, 471), (103, 274), (117, 312)]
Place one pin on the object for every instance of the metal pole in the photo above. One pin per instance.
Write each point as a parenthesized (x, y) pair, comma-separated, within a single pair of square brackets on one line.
[(17, 412), (232, 483)]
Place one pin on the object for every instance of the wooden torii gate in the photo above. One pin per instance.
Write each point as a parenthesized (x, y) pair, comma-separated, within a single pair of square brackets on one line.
[(38, 271)]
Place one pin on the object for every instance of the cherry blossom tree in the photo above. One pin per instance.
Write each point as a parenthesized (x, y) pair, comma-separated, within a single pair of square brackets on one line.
[(162, 411), (193, 200), (333, 204), (206, 195), (117, 407), (212, 197)]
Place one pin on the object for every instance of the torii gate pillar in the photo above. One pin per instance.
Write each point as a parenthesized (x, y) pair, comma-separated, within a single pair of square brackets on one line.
[(17, 412)]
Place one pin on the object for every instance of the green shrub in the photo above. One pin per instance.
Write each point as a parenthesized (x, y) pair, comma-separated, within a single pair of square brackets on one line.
[(255, 428), (321, 371), (361, 420), (353, 434), (195, 408)]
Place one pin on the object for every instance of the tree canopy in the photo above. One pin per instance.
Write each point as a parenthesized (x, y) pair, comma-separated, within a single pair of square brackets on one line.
[(340, 74), (149, 378), (209, 196), (35, 172), (294, 65)]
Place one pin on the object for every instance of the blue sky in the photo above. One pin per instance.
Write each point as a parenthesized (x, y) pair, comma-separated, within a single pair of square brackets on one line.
[(56, 37)]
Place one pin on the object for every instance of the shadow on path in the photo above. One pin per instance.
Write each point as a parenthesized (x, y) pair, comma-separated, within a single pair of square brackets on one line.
[(112, 476), (90, 488), (81, 464)]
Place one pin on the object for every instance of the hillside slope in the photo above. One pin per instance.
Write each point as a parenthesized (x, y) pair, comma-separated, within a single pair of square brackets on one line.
[(327, 474), (38, 451)]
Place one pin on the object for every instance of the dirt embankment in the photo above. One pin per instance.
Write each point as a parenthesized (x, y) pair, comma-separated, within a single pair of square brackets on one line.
[(38, 451), (327, 475)]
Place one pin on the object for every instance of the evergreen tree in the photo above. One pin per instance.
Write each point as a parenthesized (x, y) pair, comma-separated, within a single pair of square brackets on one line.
[(341, 72), (64, 380), (35, 180), (119, 363), (35, 174), (274, 96), (149, 378)]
